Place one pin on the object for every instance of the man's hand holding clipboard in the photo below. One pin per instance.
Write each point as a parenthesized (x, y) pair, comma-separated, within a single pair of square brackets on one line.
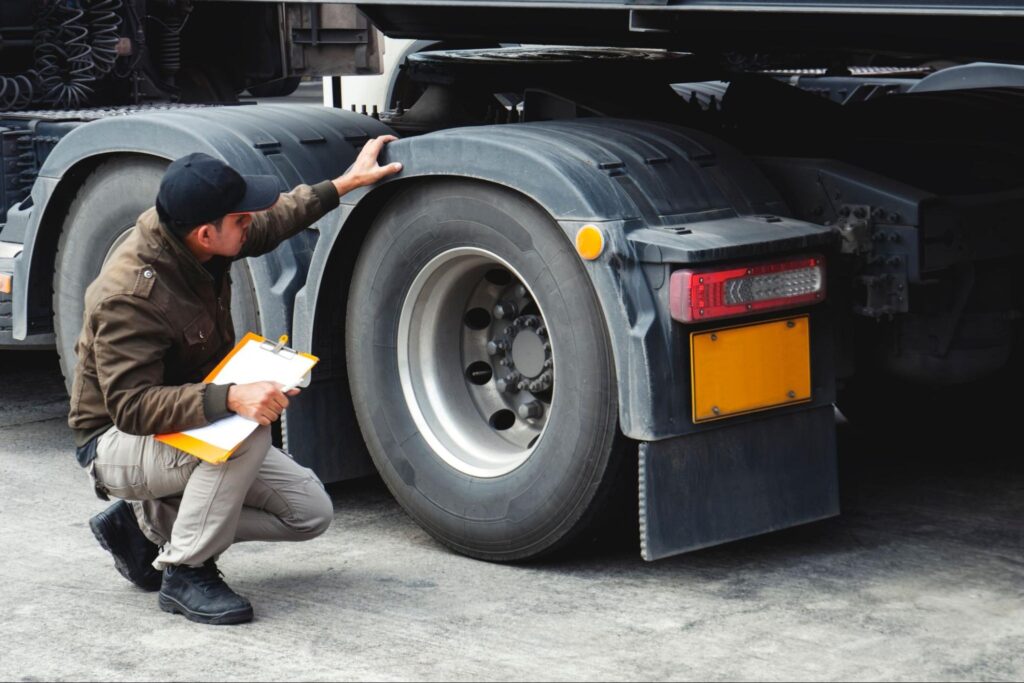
[(264, 374), (261, 402)]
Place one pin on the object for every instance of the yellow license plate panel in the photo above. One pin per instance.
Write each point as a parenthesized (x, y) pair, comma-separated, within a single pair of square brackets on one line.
[(748, 368)]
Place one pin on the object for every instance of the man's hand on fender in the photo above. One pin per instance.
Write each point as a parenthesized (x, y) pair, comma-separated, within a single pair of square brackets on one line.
[(365, 170), (262, 402)]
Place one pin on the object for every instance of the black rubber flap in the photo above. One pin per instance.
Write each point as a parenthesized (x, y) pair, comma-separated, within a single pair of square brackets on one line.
[(738, 481)]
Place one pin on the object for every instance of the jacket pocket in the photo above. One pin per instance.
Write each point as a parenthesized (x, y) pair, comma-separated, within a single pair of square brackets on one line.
[(199, 348), (198, 332)]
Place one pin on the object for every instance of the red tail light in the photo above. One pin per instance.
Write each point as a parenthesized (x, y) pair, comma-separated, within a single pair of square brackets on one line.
[(696, 295)]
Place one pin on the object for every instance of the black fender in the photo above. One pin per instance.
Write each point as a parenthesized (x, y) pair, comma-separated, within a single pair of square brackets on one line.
[(297, 144), (661, 194)]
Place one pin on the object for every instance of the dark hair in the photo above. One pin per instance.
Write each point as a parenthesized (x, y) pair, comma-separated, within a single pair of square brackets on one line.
[(179, 229)]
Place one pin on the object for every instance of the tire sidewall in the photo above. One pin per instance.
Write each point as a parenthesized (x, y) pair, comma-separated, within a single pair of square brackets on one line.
[(109, 202), (533, 507)]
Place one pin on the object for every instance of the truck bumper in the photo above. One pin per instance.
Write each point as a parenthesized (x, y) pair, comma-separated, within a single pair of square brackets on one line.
[(10, 253), (34, 342), (746, 479)]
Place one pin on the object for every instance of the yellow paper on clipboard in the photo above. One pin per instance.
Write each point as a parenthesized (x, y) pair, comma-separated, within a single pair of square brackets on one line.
[(254, 359)]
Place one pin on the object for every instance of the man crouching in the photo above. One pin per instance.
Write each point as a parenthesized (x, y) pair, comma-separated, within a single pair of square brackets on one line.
[(157, 321)]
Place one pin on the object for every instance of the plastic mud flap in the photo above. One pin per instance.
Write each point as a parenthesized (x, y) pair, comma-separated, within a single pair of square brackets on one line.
[(745, 479)]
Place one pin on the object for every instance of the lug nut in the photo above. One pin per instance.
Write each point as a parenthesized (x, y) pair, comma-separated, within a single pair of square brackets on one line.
[(520, 291), (531, 410), (505, 310), (494, 347), (507, 385)]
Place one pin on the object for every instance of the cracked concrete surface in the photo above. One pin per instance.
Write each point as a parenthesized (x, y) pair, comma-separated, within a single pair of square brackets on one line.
[(921, 578)]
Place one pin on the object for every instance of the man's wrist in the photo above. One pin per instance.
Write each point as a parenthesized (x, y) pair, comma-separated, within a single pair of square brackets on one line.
[(327, 194), (345, 184), (216, 402)]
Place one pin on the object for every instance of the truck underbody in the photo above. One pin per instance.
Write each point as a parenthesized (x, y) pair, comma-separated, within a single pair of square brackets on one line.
[(510, 379)]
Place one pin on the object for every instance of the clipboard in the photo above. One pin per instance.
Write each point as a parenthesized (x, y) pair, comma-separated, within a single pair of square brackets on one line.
[(254, 359)]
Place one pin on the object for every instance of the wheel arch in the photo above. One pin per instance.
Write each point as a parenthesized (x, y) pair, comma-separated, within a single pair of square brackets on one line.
[(43, 235), (61, 176), (298, 145), (606, 172)]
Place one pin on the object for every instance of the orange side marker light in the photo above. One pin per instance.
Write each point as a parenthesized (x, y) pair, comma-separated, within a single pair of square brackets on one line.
[(589, 242)]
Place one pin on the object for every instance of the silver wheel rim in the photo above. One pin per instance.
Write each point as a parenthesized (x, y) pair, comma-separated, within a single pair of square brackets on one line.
[(117, 242), (476, 363)]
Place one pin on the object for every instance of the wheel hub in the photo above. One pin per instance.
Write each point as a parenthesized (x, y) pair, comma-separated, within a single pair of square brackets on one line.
[(468, 314), (524, 352)]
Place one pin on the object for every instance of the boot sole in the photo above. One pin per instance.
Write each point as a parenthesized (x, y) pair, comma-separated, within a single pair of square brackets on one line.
[(237, 616), (98, 526)]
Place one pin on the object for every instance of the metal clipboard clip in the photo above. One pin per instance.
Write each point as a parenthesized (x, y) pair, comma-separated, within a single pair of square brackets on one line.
[(279, 348)]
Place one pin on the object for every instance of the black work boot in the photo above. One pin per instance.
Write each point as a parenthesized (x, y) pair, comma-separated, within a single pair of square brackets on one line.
[(201, 595), (118, 532)]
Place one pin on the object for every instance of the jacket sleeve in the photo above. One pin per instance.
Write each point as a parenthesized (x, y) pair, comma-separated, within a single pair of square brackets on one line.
[(293, 212), (130, 341)]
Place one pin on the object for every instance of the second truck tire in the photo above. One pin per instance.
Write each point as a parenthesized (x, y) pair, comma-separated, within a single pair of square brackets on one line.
[(107, 205), (481, 370)]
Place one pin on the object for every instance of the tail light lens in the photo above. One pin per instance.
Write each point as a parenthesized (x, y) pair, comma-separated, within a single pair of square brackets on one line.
[(696, 295)]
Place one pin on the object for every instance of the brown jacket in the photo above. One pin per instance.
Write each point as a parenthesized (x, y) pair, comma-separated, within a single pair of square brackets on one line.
[(156, 324)]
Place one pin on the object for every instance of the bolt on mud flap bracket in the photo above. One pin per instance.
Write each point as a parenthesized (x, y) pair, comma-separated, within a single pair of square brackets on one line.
[(742, 480)]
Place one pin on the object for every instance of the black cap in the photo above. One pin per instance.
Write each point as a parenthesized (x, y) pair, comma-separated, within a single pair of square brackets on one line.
[(198, 189)]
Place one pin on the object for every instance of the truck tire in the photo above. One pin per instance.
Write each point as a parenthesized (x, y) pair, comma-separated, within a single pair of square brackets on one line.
[(106, 207), (469, 305)]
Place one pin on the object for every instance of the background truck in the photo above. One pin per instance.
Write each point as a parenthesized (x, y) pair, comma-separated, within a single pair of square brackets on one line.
[(631, 263)]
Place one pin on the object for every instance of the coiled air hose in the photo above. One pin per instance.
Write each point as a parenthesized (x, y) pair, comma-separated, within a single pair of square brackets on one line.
[(75, 46)]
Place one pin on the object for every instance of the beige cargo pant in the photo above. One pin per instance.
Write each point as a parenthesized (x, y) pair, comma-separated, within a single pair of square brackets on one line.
[(195, 510)]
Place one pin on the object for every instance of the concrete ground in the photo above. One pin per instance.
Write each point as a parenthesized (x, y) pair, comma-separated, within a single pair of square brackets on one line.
[(921, 578)]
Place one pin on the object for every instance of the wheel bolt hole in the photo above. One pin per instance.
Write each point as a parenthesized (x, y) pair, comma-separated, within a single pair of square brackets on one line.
[(498, 276), (479, 373), (502, 420), (477, 318)]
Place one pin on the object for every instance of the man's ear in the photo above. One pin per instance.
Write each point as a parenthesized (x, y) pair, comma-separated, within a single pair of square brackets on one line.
[(203, 236)]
